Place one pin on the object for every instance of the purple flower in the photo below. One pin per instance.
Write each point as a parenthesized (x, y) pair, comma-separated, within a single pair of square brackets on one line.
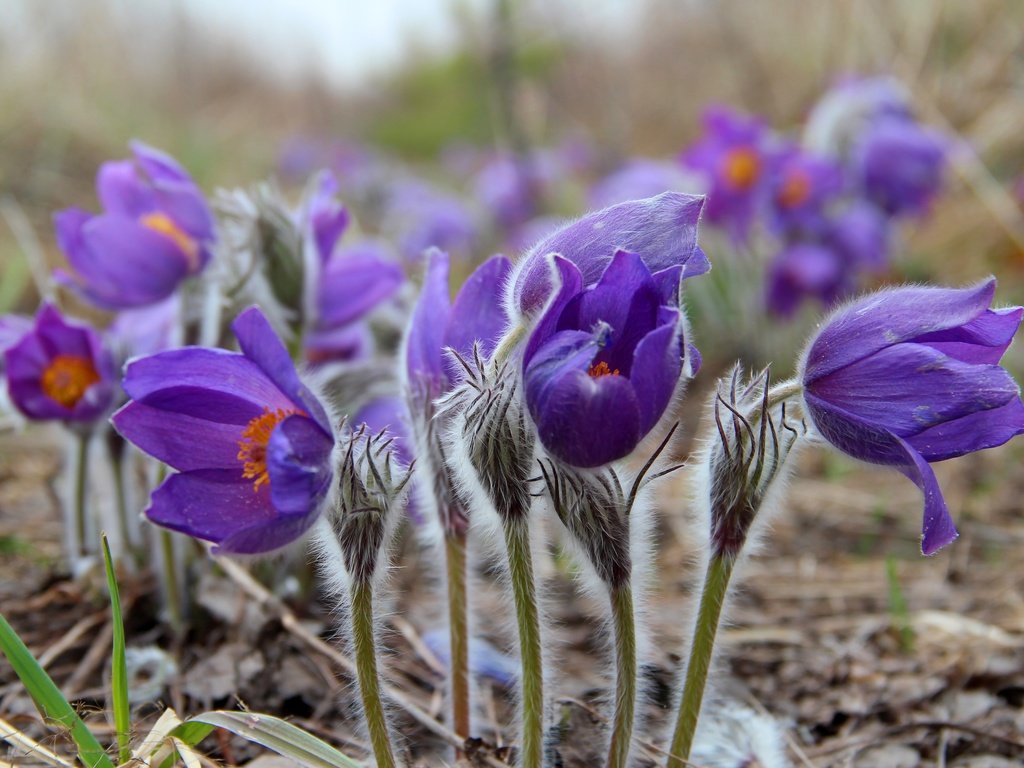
[(509, 188), (845, 111), (155, 231), (802, 270), (250, 442), (59, 369), (900, 164), (733, 155), (909, 376), (861, 234), (637, 179), (477, 315), (484, 659), (420, 216), (387, 413), (662, 229), (802, 186), (604, 362)]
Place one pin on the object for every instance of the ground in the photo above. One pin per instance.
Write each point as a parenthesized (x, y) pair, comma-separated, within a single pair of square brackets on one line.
[(866, 653)]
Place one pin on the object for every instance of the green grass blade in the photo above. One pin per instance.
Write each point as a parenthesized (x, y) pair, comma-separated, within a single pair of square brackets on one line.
[(271, 732), (118, 666), (48, 699)]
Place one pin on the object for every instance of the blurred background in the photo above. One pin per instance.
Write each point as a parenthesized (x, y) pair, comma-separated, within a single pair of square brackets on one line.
[(239, 91)]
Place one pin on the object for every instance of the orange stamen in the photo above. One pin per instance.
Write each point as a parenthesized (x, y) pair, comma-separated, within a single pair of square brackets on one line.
[(252, 448), (601, 369), (741, 168), (162, 224), (795, 189), (67, 378)]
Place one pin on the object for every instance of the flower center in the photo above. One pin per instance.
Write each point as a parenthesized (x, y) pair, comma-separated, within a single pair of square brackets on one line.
[(601, 369), (741, 168), (67, 378), (252, 448), (162, 224), (795, 189)]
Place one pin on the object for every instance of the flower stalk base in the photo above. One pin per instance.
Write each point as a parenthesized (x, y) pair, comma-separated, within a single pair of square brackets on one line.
[(624, 627), (458, 623), (364, 645)]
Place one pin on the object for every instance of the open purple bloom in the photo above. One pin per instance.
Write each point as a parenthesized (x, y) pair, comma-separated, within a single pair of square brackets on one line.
[(60, 370), (802, 186), (662, 229), (477, 316), (734, 156), (900, 164), (250, 442), (155, 231), (604, 362), (909, 376)]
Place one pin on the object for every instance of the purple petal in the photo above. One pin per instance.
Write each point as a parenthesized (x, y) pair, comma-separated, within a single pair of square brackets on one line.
[(657, 364), (121, 191), (888, 317), (478, 313), (158, 166), (907, 388), (973, 432), (570, 283), (354, 281), (328, 218), (260, 344), (182, 441), (662, 229), (298, 464), (209, 384), (425, 341), (582, 420), (937, 529), (982, 340)]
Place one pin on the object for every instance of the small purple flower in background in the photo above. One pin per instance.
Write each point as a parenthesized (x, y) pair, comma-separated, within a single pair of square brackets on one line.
[(909, 376), (509, 188), (662, 229), (900, 165), (802, 270), (155, 231), (251, 443), (860, 232), (637, 179), (484, 659), (847, 109), (60, 370), (734, 156), (419, 216), (604, 362), (802, 186)]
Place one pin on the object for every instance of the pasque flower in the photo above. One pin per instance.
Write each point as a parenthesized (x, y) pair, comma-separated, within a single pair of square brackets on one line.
[(661, 229), (60, 370), (802, 186), (603, 362), (155, 231), (909, 376), (250, 442), (900, 164), (806, 269)]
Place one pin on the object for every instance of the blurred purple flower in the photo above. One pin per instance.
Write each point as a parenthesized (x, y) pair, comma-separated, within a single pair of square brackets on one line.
[(909, 376), (420, 216), (484, 659), (900, 165), (637, 179), (803, 270), (860, 233), (147, 330), (155, 231), (388, 413), (734, 156), (662, 229), (604, 362), (509, 188), (802, 186), (847, 109), (59, 369), (250, 442)]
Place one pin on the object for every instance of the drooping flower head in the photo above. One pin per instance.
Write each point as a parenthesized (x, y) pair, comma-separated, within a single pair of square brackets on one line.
[(251, 443), (603, 362), (909, 376), (155, 231), (60, 370), (802, 186), (734, 155)]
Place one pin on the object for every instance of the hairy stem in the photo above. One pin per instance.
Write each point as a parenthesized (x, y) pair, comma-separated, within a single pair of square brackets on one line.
[(716, 584), (458, 625), (624, 628), (366, 672), (524, 594), (120, 500), (78, 493), (171, 592)]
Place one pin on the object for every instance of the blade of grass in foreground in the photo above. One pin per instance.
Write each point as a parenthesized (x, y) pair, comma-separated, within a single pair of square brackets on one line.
[(273, 733), (48, 699), (118, 665)]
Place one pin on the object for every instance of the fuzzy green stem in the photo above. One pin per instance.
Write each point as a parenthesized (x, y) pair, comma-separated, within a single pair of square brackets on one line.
[(458, 625), (365, 649), (716, 585), (624, 628), (121, 501), (79, 493), (524, 594), (171, 592), (507, 344)]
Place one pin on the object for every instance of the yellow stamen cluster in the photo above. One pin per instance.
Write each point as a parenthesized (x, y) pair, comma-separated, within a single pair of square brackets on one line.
[(741, 168), (601, 369), (252, 448), (795, 189), (67, 378), (162, 224)]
